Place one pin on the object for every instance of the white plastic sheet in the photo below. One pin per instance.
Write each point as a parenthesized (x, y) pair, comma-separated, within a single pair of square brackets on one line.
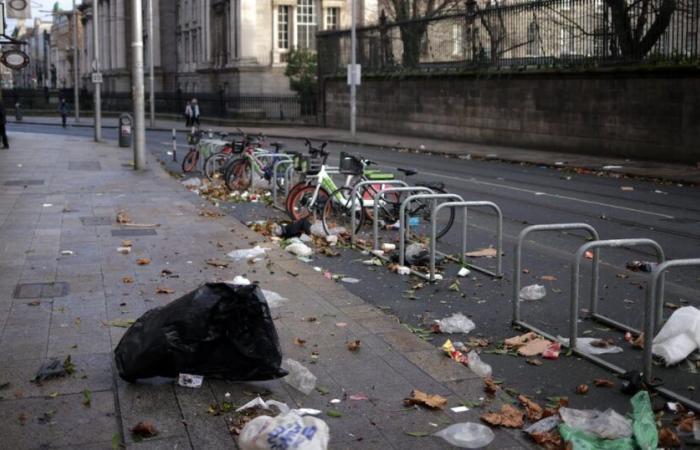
[(679, 337)]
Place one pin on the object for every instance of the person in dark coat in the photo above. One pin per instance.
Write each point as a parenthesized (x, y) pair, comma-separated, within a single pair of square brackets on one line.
[(3, 132), (63, 109)]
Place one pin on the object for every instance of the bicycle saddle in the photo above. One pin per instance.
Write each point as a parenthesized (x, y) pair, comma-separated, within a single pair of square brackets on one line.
[(407, 172)]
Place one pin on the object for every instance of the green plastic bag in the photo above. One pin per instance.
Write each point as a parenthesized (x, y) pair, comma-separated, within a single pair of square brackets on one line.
[(584, 441), (644, 425)]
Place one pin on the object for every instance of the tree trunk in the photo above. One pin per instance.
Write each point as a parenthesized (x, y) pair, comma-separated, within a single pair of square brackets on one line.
[(412, 38), (634, 43)]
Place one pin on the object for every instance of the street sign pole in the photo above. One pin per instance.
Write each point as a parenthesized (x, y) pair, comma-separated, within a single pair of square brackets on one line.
[(137, 85), (76, 94), (353, 74), (97, 75), (151, 75)]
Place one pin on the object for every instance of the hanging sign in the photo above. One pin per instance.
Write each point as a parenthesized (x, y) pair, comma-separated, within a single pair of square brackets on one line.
[(19, 9), (14, 59)]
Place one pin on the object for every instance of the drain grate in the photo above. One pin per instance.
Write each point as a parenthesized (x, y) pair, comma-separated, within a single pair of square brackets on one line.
[(135, 232), (24, 183), (84, 165), (42, 290), (96, 221)]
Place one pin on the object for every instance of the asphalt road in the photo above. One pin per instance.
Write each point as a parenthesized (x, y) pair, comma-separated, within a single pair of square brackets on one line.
[(665, 212)]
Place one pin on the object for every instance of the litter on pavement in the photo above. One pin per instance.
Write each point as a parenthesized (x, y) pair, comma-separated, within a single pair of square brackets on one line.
[(467, 435), (456, 323), (247, 253), (533, 292), (679, 337), (190, 381), (299, 377), (592, 346)]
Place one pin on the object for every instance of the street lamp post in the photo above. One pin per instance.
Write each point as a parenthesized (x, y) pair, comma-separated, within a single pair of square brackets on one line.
[(151, 75), (137, 84), (97, 79), (76, 94), (353, 70)]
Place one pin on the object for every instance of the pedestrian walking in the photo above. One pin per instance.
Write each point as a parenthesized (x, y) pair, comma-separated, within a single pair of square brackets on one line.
[(63, 109), (195, 112), (188, 114), (3, 121)]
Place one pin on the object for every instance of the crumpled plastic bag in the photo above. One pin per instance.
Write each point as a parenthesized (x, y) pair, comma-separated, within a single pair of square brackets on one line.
[(247, 253), (584, 345), (286, 431), (300, 378), (467, 435), (679, 337), (532, 292), (456, 323), (607, 425), (299, 249), (217, 330)]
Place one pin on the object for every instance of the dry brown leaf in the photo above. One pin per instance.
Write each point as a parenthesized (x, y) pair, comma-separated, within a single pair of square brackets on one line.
[(602, 382), (534, 362), (548, 278), (34, 303), (668, 439), (603, 343), (639, 342), (532, 409), (509, 416), (164, 290), (127, 243), (210, 213), (145, 429), (127, 280), (421, 398), (490, 386), (685, 424), (354, 346), (299, 341), (143, 261), (217, 263), (550, 440), (311, 319), (518, 341), (582, 389), (123, 217), (483, 253), (534, 347)]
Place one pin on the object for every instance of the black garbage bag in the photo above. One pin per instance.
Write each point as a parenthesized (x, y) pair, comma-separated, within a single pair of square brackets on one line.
[(218, 330), (296, 229)]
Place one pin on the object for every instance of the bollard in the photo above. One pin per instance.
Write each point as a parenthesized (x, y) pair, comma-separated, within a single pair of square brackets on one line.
[(174, 145), (18, 112)]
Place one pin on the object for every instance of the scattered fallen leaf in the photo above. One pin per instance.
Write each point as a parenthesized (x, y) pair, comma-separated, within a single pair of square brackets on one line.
[(127, 280), (143, 261), (686, 424), (534, 347), (639, 342), (550, 440), (334, 413), (127, 243), (509, 416), (164, 290), (532, 409), (602, 343), (354, 346), (602, 382), (87, 398), (145, 429), (311, 319), (490, 386), (299, 341), (210, 213), (421, 398), (34, 303), (548, 278), (123, 217), (668, 439), (217, 263), (670, 305), (483, 253), (582, 389), (534, 362)]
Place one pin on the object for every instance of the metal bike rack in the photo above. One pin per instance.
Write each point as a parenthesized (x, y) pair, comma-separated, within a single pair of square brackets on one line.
[(464, 207), (380, 195), (517, 267), (355, 191), (655, 296), (402, 220), (277, 164), (576, 269)]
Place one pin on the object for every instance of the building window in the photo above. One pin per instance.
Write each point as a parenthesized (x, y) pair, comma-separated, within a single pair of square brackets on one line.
[(532, 39), (456, 39), (567, 40), (691, 43), (283, 27), (306, 24), (332, 15)]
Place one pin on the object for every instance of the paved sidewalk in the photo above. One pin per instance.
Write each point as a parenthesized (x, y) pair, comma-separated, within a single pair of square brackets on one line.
[(65, 197), (641, 168)]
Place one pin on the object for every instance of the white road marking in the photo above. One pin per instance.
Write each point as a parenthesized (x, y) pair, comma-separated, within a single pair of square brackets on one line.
[(547, 194)]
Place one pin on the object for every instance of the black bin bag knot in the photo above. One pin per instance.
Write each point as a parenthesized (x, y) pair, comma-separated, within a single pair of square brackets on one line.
[(218, 330)]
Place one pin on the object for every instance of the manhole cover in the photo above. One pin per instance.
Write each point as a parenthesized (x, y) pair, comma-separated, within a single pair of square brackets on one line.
[(135, 232), (84, 165), (96, 221), (24, 182), (42, 290)]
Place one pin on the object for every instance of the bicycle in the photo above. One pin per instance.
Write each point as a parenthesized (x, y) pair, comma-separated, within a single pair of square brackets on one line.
[(239, 172), (190, 160)]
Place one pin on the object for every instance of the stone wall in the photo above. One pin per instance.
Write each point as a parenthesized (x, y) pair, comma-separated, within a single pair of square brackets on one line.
[(636, 114)]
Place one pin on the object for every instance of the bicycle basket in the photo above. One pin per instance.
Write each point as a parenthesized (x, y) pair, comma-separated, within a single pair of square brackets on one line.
[(308, 165), (349, 164)]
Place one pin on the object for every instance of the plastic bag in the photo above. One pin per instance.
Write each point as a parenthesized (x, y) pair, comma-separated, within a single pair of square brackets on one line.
[(679, 337), (543, 426), (580, 440), (286, 431), (247, 253), (533, 292), (317, 229), (477, 366), (584, 344), (607, 425), (274, 300), (218, 330), (417, 255), (644, 425), (299, 249), (300, 378), (456, 323), (467, 435)]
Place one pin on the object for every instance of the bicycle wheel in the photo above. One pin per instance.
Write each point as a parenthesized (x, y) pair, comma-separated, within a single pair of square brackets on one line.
[(419, 214), (214, 165), (240, 175), (338, 211), (190, 161), (301, 206), (291, 194), (387, 205)]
